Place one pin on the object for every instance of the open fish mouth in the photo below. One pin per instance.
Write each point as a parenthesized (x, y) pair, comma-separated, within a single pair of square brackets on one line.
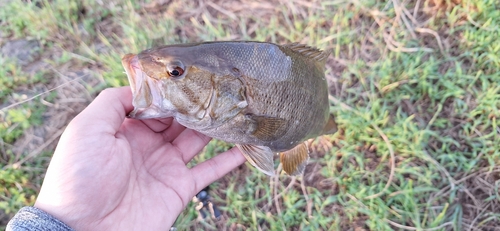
[(143, 95), (131, 64)]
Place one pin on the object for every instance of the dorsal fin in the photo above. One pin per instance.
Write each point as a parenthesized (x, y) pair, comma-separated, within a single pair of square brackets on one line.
[(310, 52)]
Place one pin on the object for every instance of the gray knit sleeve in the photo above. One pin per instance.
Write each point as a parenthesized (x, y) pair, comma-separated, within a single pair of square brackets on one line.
[(31, 218)]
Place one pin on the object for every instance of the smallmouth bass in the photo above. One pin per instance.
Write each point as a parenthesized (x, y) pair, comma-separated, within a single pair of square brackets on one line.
[(265, 98)]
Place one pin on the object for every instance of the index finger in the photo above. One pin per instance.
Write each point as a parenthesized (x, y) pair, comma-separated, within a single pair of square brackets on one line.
[(189, 143), (215, 168)]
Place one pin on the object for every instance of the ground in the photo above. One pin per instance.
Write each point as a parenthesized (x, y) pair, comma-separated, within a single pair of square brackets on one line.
[(413, 87)]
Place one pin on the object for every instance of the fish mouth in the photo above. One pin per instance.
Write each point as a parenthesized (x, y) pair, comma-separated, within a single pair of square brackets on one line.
[(144, 92), (131, 64)]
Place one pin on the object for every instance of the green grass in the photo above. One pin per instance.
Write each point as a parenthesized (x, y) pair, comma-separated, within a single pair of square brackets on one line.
[(420, 82)]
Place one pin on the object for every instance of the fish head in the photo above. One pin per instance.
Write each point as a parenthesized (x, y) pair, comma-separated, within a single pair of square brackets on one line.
[(165, 82)]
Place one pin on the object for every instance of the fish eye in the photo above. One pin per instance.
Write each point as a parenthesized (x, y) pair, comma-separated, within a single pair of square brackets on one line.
[(176, 72), (175, 69)]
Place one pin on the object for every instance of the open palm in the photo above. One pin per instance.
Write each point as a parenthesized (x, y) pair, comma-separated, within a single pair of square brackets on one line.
[(113, 173)]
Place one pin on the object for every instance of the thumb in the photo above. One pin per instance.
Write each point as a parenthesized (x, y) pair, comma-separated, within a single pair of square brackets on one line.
[(107, 111)]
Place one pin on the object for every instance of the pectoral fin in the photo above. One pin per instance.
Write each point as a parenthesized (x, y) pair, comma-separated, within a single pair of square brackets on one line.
[(260, 157), (268, 128), (294, 161)]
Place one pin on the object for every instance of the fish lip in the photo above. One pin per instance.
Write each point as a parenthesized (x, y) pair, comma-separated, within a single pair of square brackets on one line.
[(151, 112), (130, 63), (136, 77)]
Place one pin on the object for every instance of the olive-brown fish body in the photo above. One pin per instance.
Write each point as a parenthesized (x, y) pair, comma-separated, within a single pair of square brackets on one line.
[(264, 97)]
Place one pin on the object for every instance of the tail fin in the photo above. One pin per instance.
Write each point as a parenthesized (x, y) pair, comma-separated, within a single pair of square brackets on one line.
[(330, 127)]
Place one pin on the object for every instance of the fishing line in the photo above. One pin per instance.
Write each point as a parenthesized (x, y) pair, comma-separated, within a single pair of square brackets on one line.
[(37, 95)]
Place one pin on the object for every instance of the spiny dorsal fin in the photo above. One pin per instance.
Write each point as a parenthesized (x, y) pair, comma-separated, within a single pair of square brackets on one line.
[(310, 52)]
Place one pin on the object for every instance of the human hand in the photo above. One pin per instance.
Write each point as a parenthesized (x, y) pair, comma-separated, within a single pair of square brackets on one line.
[(113, 173)]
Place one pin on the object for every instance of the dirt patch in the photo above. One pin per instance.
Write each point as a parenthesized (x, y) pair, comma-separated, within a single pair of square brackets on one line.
[(22, 51), (63, 93)]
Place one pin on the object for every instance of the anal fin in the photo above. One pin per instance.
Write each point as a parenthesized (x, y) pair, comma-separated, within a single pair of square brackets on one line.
[(260, 157), (294, 161)]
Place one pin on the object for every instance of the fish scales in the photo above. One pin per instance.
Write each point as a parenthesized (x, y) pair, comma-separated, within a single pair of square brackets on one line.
[(285, 87)]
